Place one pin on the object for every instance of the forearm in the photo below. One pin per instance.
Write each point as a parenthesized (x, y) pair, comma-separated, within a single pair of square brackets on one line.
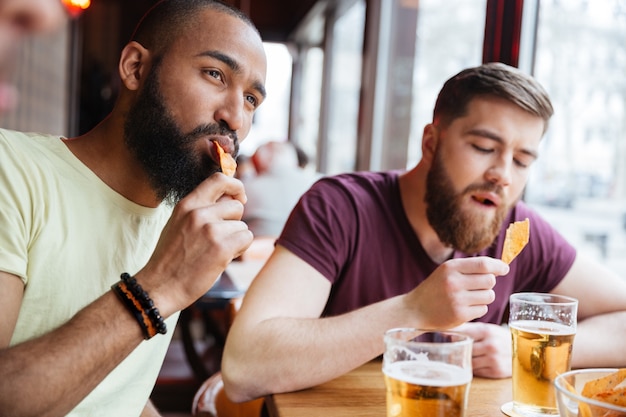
[(288, 354), (50, 375), (600, 341)]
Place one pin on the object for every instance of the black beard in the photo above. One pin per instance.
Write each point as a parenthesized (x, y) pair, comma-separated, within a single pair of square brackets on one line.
[(464, 231), (164, 151)]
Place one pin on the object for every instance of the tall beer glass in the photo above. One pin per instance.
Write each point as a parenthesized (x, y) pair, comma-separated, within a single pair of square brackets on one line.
[(542, 331), (427, 373)]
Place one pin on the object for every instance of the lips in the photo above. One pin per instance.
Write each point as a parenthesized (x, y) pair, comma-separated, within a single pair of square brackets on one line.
[(210, 143), (487, 199)]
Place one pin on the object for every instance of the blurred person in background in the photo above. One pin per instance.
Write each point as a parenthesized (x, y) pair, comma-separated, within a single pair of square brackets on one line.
[(275, 189), (18, 20), (245, 168), (303, 157)]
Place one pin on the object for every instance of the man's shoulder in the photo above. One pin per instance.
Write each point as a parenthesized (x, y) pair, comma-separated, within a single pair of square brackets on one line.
[(9, 135), (16, 141), (362, 178), (355, 189)]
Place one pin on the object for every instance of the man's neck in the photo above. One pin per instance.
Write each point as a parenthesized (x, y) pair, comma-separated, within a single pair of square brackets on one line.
[(104, 152), (412, 191)]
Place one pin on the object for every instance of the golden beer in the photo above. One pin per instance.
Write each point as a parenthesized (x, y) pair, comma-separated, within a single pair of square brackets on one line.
[(541, 351), (426, 389)]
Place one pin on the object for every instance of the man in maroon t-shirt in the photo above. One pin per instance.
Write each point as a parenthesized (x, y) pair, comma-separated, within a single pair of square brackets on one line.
[(365, 252)]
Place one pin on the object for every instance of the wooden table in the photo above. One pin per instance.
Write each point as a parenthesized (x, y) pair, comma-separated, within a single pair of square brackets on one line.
[(362, 393)]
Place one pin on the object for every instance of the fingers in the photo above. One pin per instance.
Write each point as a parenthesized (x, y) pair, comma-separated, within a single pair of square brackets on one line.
[(491, 351), (217, 188), (459, 290), (479, 265), (203, 235)]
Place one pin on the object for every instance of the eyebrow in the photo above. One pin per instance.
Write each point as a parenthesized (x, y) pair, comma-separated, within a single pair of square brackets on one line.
[(490, 135), (234, 66)]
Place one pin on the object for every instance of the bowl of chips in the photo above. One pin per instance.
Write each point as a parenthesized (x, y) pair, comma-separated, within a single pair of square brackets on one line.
[(591, 393)]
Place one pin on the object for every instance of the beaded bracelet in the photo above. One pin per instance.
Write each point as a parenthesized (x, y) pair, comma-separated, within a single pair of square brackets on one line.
[(140, 305)]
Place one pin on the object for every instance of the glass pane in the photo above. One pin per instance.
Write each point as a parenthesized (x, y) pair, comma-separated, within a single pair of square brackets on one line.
[(345, 89), (309, 119), (579, 181), (449, 38), (271, 120)]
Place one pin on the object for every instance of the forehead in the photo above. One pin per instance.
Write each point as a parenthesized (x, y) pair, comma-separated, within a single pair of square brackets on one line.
[(498, 109), (500, 119), (212, 30)]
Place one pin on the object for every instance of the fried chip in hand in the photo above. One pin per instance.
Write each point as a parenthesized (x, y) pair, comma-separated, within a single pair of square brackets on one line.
[(227, 163), (516, 238)]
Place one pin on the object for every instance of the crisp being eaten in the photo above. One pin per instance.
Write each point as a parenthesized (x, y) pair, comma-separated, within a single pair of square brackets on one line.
[(516, 238), (227, 162)]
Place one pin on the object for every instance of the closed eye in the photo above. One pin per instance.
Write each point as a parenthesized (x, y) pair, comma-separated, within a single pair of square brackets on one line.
[(523, 163), (481, 149)]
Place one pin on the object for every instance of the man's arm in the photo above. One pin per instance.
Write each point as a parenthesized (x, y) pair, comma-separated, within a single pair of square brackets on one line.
[(601, 332), (51, 374), (278, 342)]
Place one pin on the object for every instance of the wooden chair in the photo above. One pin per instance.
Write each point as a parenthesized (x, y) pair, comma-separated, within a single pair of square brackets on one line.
[(211, 401)]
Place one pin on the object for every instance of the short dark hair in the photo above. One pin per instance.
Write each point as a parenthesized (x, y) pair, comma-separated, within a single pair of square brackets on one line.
[(158, 27), (492, 79)]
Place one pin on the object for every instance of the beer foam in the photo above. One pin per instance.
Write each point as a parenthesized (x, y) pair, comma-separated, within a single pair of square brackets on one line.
[(542, 327), (428, 373)]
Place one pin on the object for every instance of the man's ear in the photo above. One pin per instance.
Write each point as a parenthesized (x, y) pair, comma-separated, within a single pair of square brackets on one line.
[(133, 65), (430, 139)]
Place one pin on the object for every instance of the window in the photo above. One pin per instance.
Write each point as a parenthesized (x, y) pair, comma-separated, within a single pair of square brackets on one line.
[(271, 120), (579, 181), (449, 39), (347, 47), (309, 118)]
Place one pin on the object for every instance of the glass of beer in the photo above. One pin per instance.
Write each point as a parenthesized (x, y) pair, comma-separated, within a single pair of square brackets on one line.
[(542, 330), (427, 373)]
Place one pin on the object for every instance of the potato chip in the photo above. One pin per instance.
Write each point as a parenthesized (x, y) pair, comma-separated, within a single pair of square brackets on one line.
[(612, 396), (607, 389), (516, 238), (227, 163), (605, 383)]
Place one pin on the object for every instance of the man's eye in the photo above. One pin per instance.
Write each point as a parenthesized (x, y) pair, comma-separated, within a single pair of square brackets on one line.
[(522, 164), (252, 100), (481, 149), (215, 74)]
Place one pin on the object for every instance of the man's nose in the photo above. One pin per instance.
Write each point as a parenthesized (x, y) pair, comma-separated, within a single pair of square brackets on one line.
[(500, 172), (231, 112)]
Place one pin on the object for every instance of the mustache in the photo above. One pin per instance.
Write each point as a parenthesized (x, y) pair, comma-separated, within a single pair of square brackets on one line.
[(215, 129), (486, 187)]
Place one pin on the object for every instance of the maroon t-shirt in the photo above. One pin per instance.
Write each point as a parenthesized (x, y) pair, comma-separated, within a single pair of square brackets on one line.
[(352, 228)]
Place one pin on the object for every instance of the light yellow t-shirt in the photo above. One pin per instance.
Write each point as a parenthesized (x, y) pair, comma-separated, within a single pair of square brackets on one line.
[(69, 237)]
